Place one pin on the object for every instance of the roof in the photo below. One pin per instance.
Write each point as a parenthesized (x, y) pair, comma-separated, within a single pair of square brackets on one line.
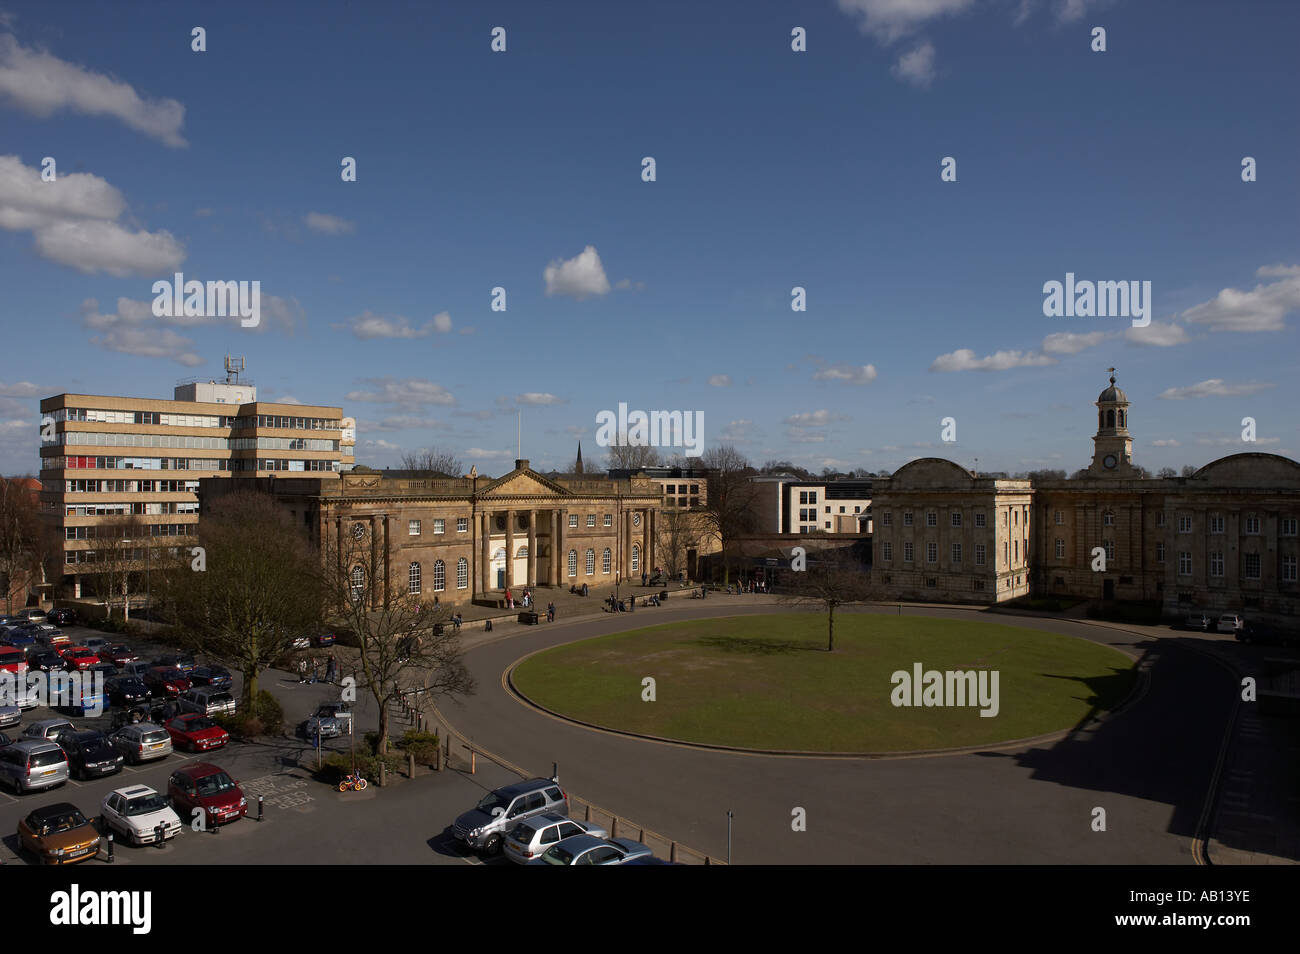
[(50, 811)]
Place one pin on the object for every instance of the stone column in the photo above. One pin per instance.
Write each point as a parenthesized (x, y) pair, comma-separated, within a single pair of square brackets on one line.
[(374, 562), (627, 545), (532, 548), (510, 549), (646, 564), (555, 548), (561, 564), (485, 564), (388, 560)]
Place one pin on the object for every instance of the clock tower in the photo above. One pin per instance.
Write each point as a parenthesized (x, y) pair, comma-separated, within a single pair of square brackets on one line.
[(1112, 453)]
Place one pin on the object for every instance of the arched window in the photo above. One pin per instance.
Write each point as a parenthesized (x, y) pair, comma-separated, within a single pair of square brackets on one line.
[(591, 562), (415, 577), (636, 558), (439, 576), (462, 574), (1110, 418), (499, 556), (605, 561), (573, 563), (1121, 419), (523, 551), (358, 582), (1101, 419)]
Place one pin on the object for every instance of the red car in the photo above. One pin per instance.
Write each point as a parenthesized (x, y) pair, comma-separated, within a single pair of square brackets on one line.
[(166, 680), (68, 648), (118, 655), (207, 787), (196, 732), (13, 660), (79, 657)]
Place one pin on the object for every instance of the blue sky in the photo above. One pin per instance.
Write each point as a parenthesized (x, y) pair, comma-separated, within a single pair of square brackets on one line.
[(775, 169)]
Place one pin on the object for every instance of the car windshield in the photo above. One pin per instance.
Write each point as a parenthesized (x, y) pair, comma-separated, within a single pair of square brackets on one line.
[(214, 784), (558, 856), (492, 800), (524, 832), (144, 804), (64, 822)]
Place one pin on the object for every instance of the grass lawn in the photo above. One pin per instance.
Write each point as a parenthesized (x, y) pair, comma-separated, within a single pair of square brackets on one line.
[(767, 682)]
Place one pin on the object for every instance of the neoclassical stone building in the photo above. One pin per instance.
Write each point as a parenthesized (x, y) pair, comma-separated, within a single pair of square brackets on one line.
[(1223, 539), (473, 537)]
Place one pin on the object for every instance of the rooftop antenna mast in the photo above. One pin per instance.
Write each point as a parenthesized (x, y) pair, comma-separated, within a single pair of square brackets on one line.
[(234, 368), (519, 429)]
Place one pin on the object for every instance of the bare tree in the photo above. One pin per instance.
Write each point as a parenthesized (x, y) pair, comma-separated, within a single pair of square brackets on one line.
[(406, 648), (831, 579), (22, 537), (729, 509), (120, 542), (631, 456), (1189, 470), (678, 531), (1166, 472), (433, 463), (247, 588)]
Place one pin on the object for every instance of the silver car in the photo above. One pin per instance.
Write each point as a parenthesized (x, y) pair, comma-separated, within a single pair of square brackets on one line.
[(48, 729), (586, 850), (208, 700), (31, 764), (142, 742), (484, 827), (331, 719), (10, 715), (529, 839)]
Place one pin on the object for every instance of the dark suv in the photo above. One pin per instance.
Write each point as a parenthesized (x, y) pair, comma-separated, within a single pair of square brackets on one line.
[(485, 826)]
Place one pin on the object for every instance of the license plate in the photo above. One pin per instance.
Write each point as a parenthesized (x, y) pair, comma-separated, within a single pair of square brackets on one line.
[(155, 745), (47, 772)]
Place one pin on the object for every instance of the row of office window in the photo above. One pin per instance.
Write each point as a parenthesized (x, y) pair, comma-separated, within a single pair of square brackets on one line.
[(97, 439), (1251, 565), (931, 552), (122, 509), (283, 443), (415, 576), (134, 463), (130, 486), (931, 518)]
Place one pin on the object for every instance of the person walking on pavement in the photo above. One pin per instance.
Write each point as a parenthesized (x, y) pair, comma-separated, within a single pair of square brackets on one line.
[(315, 670), (302, 670), (510, 602), (331, 668)]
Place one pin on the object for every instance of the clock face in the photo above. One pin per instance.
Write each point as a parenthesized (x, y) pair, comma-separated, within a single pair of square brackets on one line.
[(1109, 461), (358, 531)]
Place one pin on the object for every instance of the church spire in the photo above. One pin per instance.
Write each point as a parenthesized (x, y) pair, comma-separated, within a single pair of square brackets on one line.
[(577, 467)]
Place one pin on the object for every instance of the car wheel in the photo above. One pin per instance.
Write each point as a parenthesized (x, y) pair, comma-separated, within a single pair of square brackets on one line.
[(492, 846)]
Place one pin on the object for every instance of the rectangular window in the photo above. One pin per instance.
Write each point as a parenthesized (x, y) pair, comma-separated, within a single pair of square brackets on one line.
[(932, 552), (979, 554), (1252, 524), (1108, 519), (887, 519), (1216, 563), (907, 518), (886, 551), (1017, 542), (1060, 517), (907, 551), (956, 518), (1252, 566), (1288, 569), (1288, 526), (1216, 523), (1160, 519), (1184, 524), (1109, 546), (1160, 553), (979, 521), (609, 519), (573, 525), (1060, 549), (591, 519), (440, 526), (812, 496), (931, 582), (1184, 563), (931, 518), (462, 524), (413, 528), (956, 553)]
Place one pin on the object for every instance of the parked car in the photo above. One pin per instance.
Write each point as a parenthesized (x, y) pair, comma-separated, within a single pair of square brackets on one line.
[(48, 729), (90, 754), (586, 850), (1199, 622), (126, 690), (166, 680), (47, 660), (10, 715), (206, 700), (22, 642), (216, 676), (63, 616), (196, 732), (182, 661), (1229, 623), (528, 839), (134, 668), (96, 643), (108, 670), (137, 812), (33, 614), (332, 719), (157, 711), (58, 834), (142, 742), (209, 788), (80, 658), (5, 740), (484, 827), (13, 660), (32, 763), (323, 639), (119, 654)]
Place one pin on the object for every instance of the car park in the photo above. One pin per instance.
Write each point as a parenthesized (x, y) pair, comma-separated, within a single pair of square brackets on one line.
[(140, 815), (142, 742), (196, 732), (207, 700), (1199, 622), (587, 850), (58, 834), (210, 789), (31, 764), (484, 827), (90, 754), (47, 729), (530, 838), (134, 668), (216, 676), (126, 690), (119, 654), (166, 680)]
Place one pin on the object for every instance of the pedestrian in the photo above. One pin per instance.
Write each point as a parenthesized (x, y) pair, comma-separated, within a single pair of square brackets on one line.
[(487, 626), (550, 612), (435, 599), (331, 669), (315, 670), (455, 621), (584, 589), (510, 603), (644, 576), (302, 670)]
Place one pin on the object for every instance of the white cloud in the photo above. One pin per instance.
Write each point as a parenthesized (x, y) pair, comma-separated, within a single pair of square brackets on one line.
[(73, 222), (888, 20), (368, 325), (1236, 441), (538, 399), (853, 374), (41, 84), (328, 224), (624, 284), (1261, 309), (814, 418), (1157, 334), (288, 399), (738, 431), (577, 277), (403, 391), (1214, 387), (916, 66), (1166, 443), (149, 343), (22, 389), (1068, 342), (402, 422), (964, 359), (720, 380), (442, 322), (482, 453)]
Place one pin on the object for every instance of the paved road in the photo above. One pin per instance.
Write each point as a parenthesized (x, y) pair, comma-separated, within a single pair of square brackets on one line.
[(1149, 767)]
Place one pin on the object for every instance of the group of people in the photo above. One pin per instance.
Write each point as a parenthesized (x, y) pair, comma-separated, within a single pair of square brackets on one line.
[(578, 590), (311, 673), (527, 599)]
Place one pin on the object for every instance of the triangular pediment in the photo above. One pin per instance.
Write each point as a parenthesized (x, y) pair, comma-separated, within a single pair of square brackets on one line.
[(524, 483)]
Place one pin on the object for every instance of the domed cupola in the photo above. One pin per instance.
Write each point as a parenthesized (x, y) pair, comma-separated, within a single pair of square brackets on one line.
[(1113, 446)]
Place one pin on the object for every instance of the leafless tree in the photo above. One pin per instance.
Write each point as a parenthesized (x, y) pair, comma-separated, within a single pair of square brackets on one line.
[(832, 578), (729, 510), (23, 539), (407, 647), (246, 588), (631, 456), (1189, 470), (433, 463), (119, 545), (678, 531)]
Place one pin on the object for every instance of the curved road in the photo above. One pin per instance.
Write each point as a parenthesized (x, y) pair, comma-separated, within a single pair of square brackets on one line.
[(1149, 767)]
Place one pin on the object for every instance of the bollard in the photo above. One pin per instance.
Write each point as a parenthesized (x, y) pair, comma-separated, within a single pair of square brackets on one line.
[(216, 825), (110, 847), (410, 761), (588, 816), (260, 800), (160, 835), (641, 836), (613, 826), (473, 757), (672, 852)]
